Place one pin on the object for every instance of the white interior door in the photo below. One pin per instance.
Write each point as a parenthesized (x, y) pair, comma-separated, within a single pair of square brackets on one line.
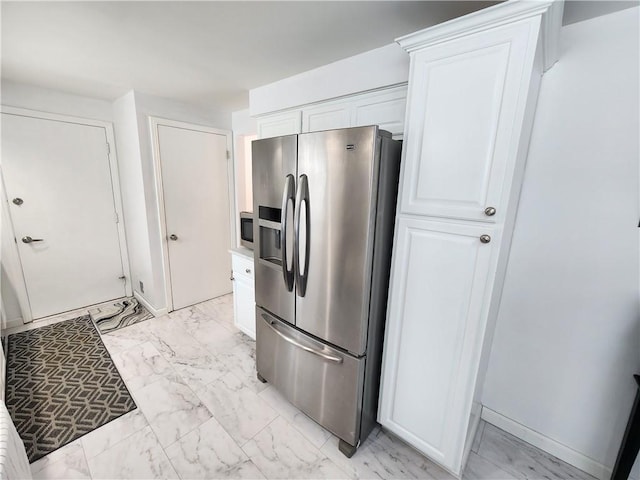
[(195, 181), (58, 182)]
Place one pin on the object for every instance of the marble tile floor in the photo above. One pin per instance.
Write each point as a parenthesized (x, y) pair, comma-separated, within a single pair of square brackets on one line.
[(202, 414)]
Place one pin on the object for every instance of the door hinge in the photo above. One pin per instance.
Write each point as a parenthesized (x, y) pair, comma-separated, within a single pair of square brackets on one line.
[(117, 217), (228, 154), (108, 149)]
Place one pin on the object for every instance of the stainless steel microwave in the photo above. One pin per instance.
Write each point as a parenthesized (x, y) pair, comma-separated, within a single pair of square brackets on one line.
[(246, 229)]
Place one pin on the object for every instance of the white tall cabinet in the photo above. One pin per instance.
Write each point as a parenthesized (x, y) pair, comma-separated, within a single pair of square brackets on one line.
[(473, 85)]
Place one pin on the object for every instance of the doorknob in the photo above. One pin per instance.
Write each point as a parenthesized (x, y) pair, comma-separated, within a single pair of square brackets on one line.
[(173, 236), (490, 211), (18, 201), (31, 240)]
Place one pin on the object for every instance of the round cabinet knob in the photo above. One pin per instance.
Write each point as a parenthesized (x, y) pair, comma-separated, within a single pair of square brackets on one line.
[(18, 201), (173, 237), (489, 211), (247, 270), (485, 238)]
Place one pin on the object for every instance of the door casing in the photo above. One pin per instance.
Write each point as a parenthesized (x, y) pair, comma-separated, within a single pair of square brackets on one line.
[(154, 122)]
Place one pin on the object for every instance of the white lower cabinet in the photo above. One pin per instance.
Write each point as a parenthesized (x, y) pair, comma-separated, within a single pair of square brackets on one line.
[(437, 315), (244, 303)]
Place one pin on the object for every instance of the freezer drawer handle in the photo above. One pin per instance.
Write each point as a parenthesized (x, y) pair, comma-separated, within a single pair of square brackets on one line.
[(326, 356)]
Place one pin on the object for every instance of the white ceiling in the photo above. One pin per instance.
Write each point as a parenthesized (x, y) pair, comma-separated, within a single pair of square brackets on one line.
[(205, 52)]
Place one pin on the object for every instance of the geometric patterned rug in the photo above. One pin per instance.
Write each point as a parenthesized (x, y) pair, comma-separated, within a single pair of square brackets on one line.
[(61, 384), (120, 314)]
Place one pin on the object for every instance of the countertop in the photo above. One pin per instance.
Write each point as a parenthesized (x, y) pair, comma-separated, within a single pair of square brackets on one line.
[(245, 252)]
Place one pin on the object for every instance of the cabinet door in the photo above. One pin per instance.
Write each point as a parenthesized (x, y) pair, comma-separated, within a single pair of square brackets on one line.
[(465, 110), (280, 124), (438, 301), (326, 117), (385, 109), (244, 305), (243, 294)]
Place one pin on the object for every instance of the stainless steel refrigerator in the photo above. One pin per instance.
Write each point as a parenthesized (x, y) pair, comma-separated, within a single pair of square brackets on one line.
[(324, 209)]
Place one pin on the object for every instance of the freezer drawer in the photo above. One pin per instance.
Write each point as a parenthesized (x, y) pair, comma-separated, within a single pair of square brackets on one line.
[(323, 382)]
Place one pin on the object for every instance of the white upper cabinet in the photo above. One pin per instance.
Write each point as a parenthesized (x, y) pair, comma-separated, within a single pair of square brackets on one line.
[(463, 123), (279, 124), (385, 108), (326, 117)]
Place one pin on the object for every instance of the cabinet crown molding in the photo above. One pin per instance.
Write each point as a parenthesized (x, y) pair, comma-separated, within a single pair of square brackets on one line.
[(502, 14)]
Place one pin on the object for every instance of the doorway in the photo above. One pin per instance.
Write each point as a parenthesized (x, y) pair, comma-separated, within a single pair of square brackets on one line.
[(61, 184), (194, 184)]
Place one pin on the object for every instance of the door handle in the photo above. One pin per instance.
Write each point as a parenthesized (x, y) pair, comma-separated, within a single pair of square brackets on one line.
[(302, 270), (31, 240), (292, 341), (287, 195), (173, 237)]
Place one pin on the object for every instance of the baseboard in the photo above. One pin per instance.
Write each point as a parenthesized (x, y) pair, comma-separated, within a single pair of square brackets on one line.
[(156, 312), (14, 322), (553, 447)]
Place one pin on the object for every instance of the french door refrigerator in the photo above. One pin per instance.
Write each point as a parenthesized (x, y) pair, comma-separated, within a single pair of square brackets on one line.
[(324, 210)]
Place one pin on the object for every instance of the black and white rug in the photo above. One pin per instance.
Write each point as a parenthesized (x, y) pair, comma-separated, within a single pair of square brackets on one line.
[(119, 314), (61, 384)]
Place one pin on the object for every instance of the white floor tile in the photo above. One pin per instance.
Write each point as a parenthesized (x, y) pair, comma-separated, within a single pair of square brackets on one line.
[(241, 361), (479, 468), (113, 432), (66, 462), (523, 460), (138, 456), (209, 332), (240, 411), (171, 408), (141, 365), (384, 456), (209, 452), (311, 430), (281, 452)]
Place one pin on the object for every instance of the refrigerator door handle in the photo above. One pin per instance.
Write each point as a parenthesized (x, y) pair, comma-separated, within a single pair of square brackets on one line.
[(302, 270), (292, 341), (287, 194)]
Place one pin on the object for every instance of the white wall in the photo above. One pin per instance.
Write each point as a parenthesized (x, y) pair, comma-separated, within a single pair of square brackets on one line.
[(385, 66), (132, 189), (568, 335), (243, 123), (244, 132), (52, 101)]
